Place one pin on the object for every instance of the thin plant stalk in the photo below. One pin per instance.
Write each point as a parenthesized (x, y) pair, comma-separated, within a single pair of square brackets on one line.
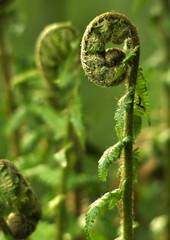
[(127, 198), (9, 98)]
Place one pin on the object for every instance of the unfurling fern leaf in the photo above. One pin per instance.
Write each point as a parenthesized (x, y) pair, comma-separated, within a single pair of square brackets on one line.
[(55, 50), (142, 106), (123, 106), (53, 118), (111, 155), (99, 204), (122, 67), (22, 209), (8, 183)]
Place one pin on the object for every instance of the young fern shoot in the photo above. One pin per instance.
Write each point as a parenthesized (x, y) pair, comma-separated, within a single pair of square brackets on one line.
[(20, 209), (107, 68), (57, 60), (55, 50)]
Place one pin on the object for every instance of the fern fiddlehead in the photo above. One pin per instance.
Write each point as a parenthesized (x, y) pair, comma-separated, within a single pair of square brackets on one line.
[(20, 208), (108, 67), (58, 61), (55, 46)]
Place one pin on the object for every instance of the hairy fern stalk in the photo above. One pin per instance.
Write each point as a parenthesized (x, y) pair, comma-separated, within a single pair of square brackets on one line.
[(107, 68)]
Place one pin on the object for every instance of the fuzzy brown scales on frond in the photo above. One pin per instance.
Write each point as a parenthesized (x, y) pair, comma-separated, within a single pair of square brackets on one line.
[(22, 210), (104, 66)]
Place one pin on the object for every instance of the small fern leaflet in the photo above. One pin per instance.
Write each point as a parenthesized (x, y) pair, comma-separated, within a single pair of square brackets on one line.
[(111, 155), (123, 106), (8, 183), (143, 105), (96, 206)]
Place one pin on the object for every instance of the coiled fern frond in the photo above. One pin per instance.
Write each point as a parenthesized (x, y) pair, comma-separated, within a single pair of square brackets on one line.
[(55, 51), (20, 209)]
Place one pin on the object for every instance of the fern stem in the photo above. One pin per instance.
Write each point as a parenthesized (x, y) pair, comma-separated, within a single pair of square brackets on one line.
[(128, 156), (9, 99), (62, 210)]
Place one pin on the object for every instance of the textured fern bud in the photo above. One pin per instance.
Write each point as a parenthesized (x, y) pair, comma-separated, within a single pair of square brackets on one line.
[(55, 46), (20, 226), (104, 66), (18, 197)]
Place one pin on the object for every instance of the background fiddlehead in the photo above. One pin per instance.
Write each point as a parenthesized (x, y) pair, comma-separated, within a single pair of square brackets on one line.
[(55, 48), (20, 208), (107, 67), (58, 63)]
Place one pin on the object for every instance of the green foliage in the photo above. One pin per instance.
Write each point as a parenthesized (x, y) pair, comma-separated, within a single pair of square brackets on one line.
[(137, 126), (123, 106), (76, 119), (110, 156), (61, 157), (8, 184), (45, 174), (142, 106), (85, 181), (111, 198), (55, 49), (23, 77), (129, 55), (55, 120), (15, 121)]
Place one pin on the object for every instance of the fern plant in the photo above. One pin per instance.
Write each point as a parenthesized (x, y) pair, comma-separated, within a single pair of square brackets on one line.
[(20, 209), (57, 62), (107, 68)]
